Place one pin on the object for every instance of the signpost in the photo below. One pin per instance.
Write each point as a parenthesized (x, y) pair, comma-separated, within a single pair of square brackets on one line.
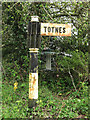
[(47, 29), (34, 43)]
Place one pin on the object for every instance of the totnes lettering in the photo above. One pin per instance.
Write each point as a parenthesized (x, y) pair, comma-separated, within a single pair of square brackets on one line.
[(54, 29), (45, 28)]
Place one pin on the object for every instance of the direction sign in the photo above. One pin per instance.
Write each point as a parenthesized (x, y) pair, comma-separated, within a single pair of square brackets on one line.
[(53, 29)]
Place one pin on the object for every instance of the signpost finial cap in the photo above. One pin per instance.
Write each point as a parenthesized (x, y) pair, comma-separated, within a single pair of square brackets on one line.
[(34, 19)]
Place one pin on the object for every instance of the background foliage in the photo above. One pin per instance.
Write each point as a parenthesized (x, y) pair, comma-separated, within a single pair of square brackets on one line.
[(68, 80)]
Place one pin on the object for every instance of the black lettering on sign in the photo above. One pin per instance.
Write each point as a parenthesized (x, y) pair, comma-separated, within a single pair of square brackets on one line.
[(49, 29), (52, 29), (64, 29), (45, 28), (56, 29), (60, 29)]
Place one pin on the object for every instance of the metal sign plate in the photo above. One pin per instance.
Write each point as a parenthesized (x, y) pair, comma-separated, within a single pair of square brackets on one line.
[(53, 29)]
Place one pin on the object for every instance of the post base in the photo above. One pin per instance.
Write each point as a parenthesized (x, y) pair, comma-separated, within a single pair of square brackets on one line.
[(32, 103)]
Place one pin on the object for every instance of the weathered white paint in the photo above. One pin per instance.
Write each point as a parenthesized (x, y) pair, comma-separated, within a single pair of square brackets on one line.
[(34, 19), (33, 86), (34, 50)]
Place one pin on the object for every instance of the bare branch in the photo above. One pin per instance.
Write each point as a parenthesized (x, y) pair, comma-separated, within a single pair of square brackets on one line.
[(47, 13), (64, 14), (72, 78)]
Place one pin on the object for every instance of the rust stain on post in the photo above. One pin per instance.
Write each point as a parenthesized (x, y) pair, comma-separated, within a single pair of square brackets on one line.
[(33, 86), (33, 76)]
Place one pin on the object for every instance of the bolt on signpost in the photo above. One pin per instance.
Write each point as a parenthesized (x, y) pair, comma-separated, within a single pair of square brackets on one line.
[(34, 43)]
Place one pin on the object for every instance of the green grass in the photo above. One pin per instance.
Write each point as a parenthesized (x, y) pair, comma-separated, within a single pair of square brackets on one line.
[(49, 105), (15, 103)]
